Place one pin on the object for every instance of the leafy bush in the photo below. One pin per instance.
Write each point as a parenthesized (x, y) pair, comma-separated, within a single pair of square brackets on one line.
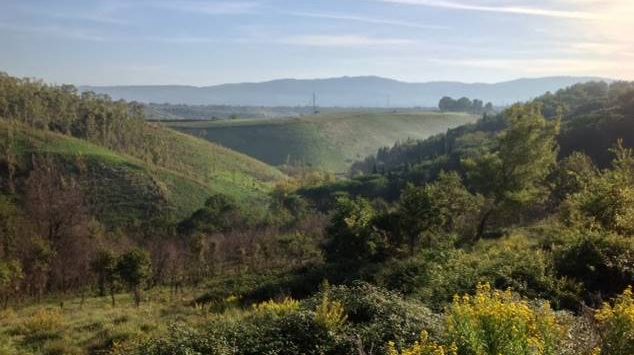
[(330, 315), (616, 324), (424, 346), (514, 262), (495, 322), (602, 263), (353, 237), (276, 309), (337, 320)]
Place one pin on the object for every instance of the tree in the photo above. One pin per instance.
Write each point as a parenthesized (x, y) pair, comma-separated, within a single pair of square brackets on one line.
[(8, 227), (572, 175), (104, 265), (352, 234), (56, 205), (220, 214), (10, 277), (607, 201), (134, 269), (513, 173), (447, 104), (444, 206)]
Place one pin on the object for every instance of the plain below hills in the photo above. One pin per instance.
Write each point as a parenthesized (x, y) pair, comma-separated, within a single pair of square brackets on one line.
[(331, 141)]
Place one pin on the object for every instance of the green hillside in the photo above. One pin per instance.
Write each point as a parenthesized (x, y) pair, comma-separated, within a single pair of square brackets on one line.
[(122, 188), (330, 141)]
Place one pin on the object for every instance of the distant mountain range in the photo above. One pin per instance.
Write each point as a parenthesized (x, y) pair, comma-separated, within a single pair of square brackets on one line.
[(363, 91)]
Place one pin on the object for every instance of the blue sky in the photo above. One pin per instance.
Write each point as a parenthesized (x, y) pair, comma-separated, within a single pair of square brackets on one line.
[(195, 42)]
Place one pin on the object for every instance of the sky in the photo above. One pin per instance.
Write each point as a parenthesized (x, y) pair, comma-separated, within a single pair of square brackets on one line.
[(196, 42)]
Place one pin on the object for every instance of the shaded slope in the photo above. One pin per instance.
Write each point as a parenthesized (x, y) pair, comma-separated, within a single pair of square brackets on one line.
[(122, 189), (329, 141)]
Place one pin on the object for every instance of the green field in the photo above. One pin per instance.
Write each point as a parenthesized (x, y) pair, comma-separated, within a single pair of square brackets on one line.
[(330, 141), (123, 188)]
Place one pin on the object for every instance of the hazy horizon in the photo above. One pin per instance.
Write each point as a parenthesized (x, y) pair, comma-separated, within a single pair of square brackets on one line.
[(204, 43)]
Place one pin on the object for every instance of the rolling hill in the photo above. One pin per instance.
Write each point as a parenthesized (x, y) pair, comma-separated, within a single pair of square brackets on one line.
[(122, 189), (368, 91), (331, 141)]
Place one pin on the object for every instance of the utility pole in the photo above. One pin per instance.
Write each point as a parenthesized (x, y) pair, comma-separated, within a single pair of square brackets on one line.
[(314, 103)]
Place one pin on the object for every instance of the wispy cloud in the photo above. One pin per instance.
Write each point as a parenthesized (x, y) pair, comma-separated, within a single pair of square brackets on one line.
[(211, 8), (55, 31), (364, 19), (537, 66), (518, 10), (343, 41)]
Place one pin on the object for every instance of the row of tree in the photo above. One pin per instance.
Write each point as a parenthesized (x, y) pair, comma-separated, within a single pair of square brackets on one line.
[(464, 104)]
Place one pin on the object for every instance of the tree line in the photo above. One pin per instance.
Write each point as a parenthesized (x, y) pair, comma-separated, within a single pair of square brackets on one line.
[(464, 104)]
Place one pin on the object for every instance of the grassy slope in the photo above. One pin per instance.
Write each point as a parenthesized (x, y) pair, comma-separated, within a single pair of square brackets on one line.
[(123, 187), (328, 141)]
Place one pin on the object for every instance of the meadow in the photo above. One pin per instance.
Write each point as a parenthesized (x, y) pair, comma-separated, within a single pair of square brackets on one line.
[(329, 141)]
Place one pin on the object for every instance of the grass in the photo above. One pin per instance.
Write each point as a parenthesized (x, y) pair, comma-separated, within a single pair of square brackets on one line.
[(93, 326), (331, 141), (123, 187)]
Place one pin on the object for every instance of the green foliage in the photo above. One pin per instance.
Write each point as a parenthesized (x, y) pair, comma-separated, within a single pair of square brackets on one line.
[(423, 346), (352, 235), (329, 314), (616, 324), (10, 276), (220, 214), (602, 263), (525, 153), (514, 173), (104, 265), (443, 207), (572, 175), (493, 322), (607, 202), (516, 262), (464, 104), (375, 317), (323, 141), (150, 170), (134, 269)]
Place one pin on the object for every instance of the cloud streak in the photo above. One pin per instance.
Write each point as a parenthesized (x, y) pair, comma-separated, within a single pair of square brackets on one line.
[(517, 10), (364, 19), (345, 41), (211, 8)]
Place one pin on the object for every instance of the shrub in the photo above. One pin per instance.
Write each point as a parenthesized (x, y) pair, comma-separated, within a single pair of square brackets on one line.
[(276, 309), (376, 316), (514, 262), (42, 325), (424, 346), (602, 263), (616, 324), (495, 322), (330, 315)]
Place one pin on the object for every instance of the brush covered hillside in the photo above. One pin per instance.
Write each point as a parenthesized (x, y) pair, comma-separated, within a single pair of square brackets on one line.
[(593, 116), (128, 170), (331, 141), (502, 243)]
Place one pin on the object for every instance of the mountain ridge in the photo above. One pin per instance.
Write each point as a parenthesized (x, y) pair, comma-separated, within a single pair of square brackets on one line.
[(346, 91)]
